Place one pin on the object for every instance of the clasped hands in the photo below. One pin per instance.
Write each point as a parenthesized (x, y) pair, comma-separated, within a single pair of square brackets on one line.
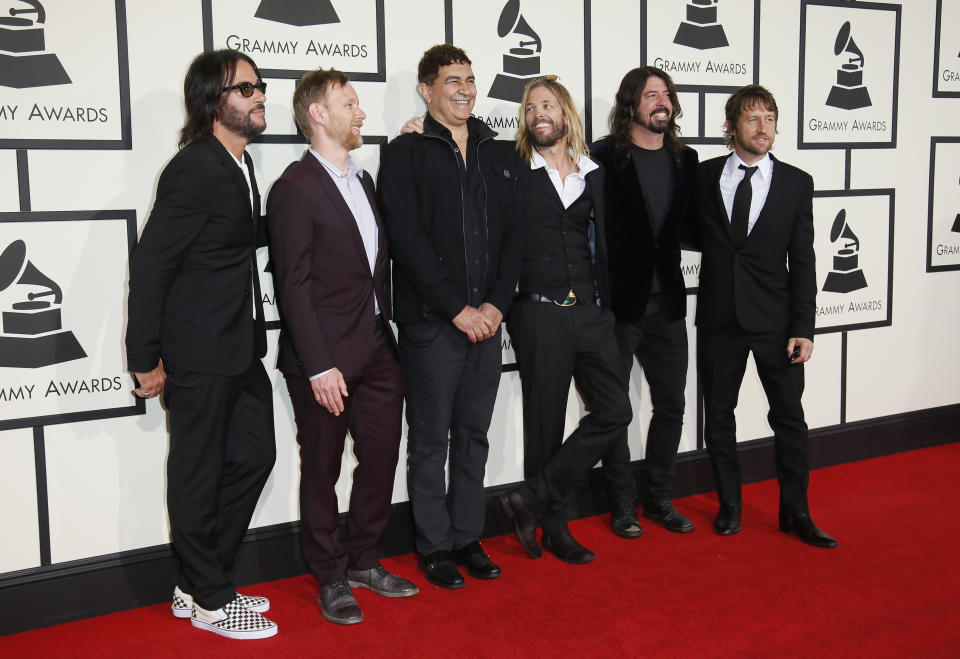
[(478, 324)]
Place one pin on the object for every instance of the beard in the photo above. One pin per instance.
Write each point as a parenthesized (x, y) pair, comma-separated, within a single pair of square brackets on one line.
[(236, 121), (654, 124), (550, 138), (342, 134), (755, 150)]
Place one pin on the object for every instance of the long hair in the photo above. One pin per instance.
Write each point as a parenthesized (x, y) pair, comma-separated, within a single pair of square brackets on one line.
[(575, 139), (746, 98), (624, 113), (203, 87)]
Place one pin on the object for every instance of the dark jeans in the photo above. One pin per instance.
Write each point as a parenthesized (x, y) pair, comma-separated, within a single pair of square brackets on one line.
[(221, 452), (660, 345), (554, 344), (451, 386), (722, 359)]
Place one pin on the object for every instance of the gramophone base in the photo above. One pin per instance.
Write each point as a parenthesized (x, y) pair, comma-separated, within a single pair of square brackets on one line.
[(297, 12), (508, 88), (701, 37), (32, 71), (956, 224), (38, 351), (844, 282), (849, 98)]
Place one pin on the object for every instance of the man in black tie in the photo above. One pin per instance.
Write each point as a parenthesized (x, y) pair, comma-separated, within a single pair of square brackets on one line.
[(560, 324), (757, 294)]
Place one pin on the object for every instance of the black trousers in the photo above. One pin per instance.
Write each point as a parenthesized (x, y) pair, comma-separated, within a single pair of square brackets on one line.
[(451, 387), (660, 345), (372, 412), (553, 344), (722, 359), (221, 452)]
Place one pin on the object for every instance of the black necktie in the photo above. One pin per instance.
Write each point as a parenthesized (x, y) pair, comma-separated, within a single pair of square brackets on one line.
[(740, 215)]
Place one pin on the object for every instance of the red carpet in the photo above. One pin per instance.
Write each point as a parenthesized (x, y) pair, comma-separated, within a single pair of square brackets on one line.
[(889, 590)]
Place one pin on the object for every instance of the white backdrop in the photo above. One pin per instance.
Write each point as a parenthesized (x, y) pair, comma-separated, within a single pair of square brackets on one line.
[(77, 192)]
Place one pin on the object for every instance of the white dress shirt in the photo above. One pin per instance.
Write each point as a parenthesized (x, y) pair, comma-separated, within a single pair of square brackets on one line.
[(246, 175), (730, 178), (571, 187)]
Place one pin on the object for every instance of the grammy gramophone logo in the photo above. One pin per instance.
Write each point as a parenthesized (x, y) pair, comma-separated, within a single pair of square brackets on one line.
[(846, 275), (24, 61), (701, 29), (956, 224), (297, 12), (31, 329), (849, 93), (522, 63)]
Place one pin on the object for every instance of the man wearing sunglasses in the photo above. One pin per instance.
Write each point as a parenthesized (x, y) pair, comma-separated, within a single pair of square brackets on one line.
[(195, 333)]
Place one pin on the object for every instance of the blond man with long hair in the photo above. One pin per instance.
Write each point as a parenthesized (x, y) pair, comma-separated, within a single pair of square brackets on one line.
[(560, 322)]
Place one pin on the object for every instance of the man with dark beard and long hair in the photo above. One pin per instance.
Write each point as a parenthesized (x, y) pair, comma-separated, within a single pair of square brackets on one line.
[(195, 333), (648, 188), (560, 323)]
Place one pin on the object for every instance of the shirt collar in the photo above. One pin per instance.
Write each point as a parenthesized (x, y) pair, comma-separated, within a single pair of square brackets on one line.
[(353, 167), (764, 165), (584, 163)]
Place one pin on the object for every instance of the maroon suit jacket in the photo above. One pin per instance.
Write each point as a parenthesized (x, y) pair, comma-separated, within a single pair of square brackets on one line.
[(321, 274)]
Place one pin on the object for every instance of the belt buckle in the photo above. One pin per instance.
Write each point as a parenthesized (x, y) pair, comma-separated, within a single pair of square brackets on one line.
[(568, 301)]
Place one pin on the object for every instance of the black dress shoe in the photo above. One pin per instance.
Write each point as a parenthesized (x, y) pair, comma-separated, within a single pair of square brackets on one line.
[(524, 521), (664, 513), (806, 530), (728, 519), (565, 547), (624, 520), (478, 563), (441, 571), (337, 604)]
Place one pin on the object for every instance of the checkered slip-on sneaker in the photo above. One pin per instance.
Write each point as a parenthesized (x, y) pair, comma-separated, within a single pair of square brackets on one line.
[(234, 621), (182, 606)]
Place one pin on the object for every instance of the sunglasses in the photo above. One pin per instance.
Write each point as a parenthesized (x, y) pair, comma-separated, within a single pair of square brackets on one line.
[(246, 88)]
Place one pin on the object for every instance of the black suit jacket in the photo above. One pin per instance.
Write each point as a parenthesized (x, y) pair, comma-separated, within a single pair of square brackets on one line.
[(769, 283), (634, 253), (325, 289), (193, 274)]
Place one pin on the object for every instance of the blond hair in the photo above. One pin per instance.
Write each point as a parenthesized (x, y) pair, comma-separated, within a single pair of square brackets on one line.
[(574, 137), (312, 88)]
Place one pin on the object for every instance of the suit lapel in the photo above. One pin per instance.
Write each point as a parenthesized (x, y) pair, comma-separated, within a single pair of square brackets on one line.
[(339, 206), (234, 173), (721, 215), (637, 201), (367, 183), (774, 190)]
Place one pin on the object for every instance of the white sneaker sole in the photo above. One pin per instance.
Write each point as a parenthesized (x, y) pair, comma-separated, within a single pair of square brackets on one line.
[(244, 635)]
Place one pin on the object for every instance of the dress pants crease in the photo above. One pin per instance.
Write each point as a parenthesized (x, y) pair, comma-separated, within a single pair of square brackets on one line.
[(222, 450), (554, 344), (722, 359), (372, 414)]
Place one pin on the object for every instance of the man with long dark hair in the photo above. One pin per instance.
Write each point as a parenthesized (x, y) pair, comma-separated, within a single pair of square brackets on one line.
[(648, 188), (195, 333), (560, 322)]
